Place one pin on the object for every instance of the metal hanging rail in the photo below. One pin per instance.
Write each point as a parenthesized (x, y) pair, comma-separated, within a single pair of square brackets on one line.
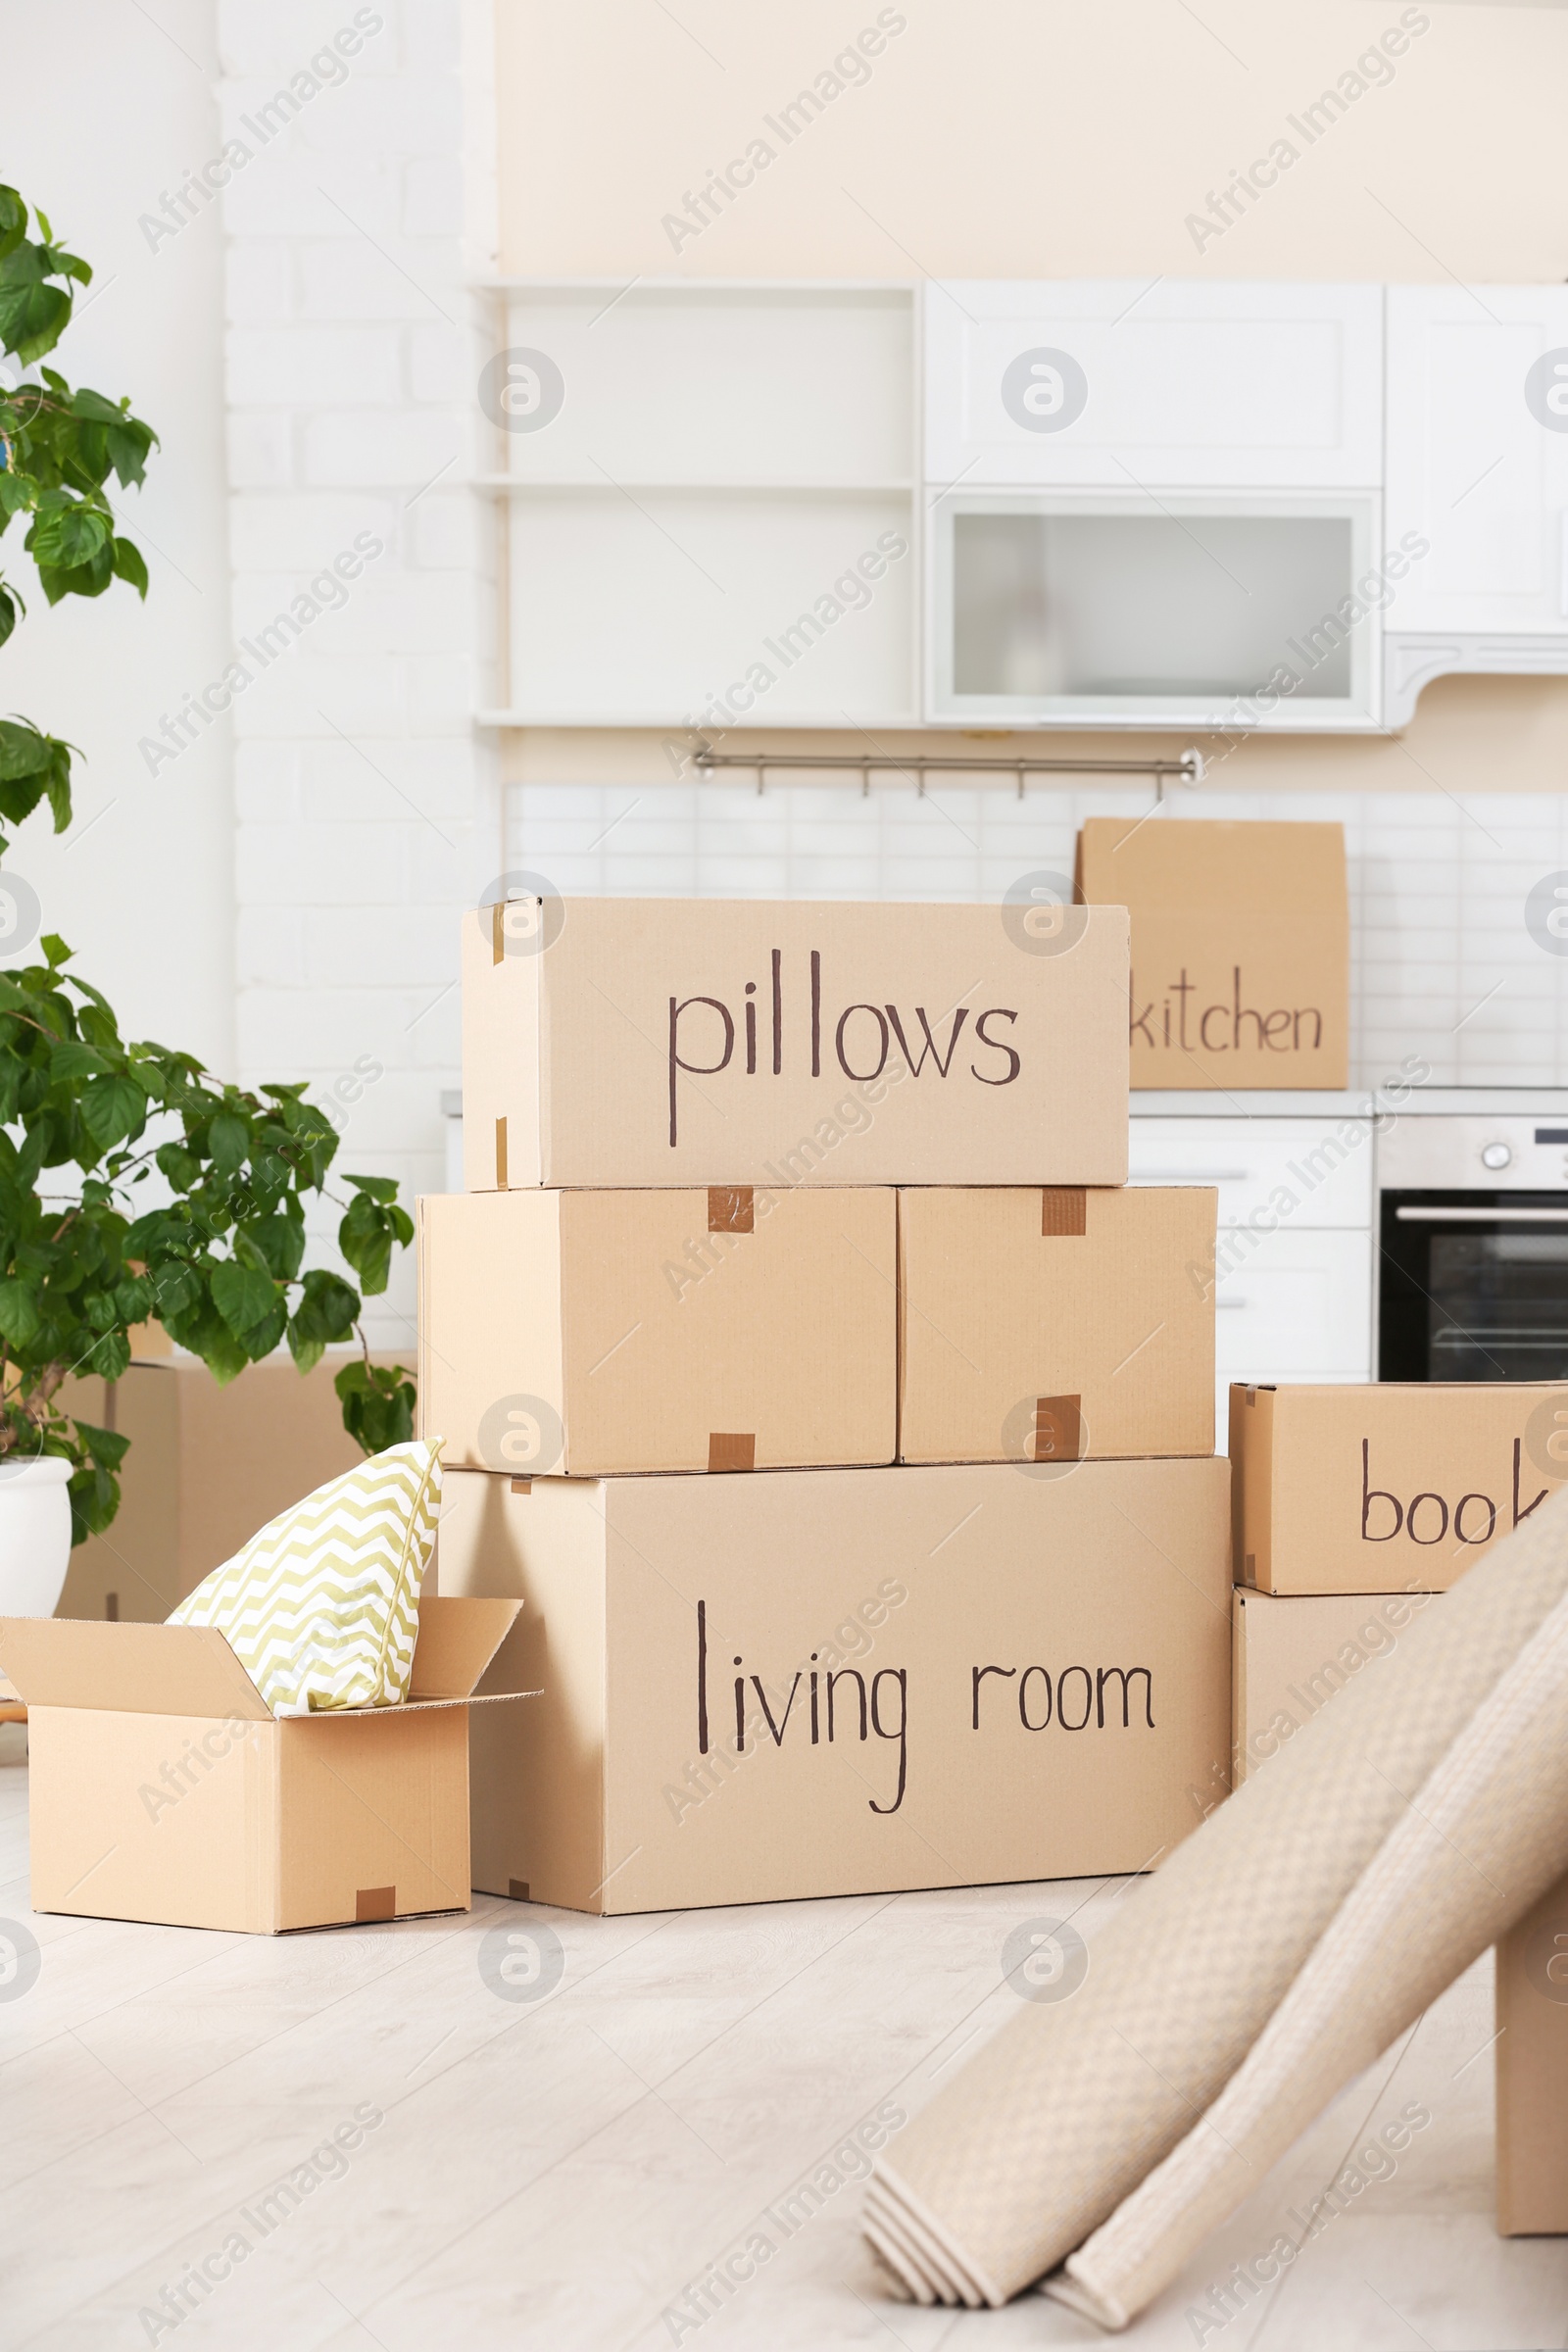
[(1188, 770)]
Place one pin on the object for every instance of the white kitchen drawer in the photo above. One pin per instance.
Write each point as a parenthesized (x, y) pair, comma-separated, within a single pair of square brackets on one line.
[(1253, 1161), (1293, 1304)]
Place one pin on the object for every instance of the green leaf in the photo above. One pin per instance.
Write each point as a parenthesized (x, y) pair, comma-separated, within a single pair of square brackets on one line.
[(244, 1297), (377, 1402), (377, 1188), (279, 1242), (111, 1354), (112, 1108), (13, 221), (182, 1169), (20, 1319), (228, 1141), (326, 1313), (67, 535), (94, 1501), (128, 566), (105, 1447), (33, 316), (23, 752), (75, 1060)]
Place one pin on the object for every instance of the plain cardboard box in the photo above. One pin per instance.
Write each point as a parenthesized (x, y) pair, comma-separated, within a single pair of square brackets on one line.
[(207, 1467), (1532, 2066), (946, 1677), (1293, 1653), (163, 1788), (1241, 949), (630, 1042), (1388, 1486), (727, 1329), (1048, 1325)]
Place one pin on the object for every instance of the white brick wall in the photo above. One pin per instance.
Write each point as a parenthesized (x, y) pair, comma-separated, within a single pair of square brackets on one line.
[(367, 814), (1440, 962)]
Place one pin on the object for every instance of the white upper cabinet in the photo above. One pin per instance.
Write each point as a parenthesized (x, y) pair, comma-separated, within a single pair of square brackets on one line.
[(1477, 457), (1115, 383)]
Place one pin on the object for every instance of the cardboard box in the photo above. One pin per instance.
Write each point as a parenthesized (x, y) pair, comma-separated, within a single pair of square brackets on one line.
[(1241, 949), (1387, 1487), (162, 1786), (1293, 1653), (630, 1042), (944, 1677), (1055, 1324), (728, 1328), (1533, 2070), (207, 1467)]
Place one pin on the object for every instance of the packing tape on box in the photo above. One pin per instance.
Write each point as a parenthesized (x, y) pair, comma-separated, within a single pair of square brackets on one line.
[(1064, 1212), (731, 1449), (730, 1209)]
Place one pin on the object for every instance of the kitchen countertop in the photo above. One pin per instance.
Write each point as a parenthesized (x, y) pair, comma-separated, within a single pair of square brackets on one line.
[(1473, 1101)]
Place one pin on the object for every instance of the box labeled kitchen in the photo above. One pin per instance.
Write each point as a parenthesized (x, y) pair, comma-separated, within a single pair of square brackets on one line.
[(632, 1042), (1054, 1323), (1240, 948), (1293, 1652), (207, 1467), (1390, 1486), (724, 1328), (1532, 2063), (164, 1789), (831, 1682)]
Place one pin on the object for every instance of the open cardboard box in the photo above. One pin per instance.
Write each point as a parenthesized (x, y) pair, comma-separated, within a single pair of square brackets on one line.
[(164, 1789)]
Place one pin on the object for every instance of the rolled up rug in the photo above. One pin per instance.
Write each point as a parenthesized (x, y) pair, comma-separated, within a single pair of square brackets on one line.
[(1049, 2127), (1482, 1838)]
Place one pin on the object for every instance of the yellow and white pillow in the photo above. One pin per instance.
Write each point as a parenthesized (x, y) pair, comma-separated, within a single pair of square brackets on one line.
[(322, 1607)]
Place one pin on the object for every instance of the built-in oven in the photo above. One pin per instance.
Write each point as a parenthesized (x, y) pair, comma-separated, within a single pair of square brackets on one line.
[(1473, 1235)]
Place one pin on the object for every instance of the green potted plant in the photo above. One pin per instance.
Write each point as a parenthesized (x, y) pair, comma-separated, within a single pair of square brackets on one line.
[(134, 1185)]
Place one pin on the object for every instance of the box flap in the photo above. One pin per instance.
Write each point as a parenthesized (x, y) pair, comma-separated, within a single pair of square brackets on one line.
[(128, 1669), (457, 1639)]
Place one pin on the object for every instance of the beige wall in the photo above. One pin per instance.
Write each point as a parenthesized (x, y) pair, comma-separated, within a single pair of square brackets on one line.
[(1040, 138)]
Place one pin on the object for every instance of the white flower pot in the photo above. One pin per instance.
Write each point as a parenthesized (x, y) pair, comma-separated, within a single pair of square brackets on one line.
[(35, 1535)]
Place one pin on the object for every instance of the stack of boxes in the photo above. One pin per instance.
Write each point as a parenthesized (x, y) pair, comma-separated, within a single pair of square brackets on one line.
[(843, 1422), (1353, 1506)]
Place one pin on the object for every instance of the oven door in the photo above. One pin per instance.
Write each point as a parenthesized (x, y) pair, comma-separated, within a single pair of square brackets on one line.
[(1473, 1285)]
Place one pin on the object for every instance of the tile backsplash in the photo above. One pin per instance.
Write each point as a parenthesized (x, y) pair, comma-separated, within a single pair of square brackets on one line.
[(1441, 964)]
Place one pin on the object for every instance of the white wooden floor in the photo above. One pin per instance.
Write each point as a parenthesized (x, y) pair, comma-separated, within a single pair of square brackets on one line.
[(555, 2170)]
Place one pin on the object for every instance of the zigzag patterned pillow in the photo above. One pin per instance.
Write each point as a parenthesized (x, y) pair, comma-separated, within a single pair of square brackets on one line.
[(322, 1607)]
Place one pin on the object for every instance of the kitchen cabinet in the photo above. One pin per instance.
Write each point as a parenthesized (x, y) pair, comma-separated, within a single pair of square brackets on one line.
[(1254, 1163), (710, 515), (1118, 610), (1293, 1294), (1117, 383), (1102, 503), (1478, 478)]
